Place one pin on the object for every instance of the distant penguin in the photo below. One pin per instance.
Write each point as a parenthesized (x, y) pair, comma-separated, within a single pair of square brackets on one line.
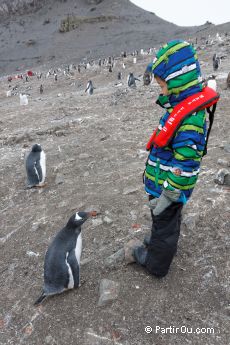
[(9, 93), (23, 99), (216, 63), (62, 259), (79, 69), (110, 68), (41, 89), (211, 82), (99, 62), (131, 80), (119, 75), (228, 81), (123, 65), (89, 88), (55, 77), (36, 167)]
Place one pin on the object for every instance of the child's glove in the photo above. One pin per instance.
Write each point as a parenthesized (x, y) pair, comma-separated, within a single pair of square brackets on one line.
[(167, 197)]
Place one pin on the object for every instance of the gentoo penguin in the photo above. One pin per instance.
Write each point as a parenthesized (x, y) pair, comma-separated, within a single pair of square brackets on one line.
[(131, 80), (55, 77), (211, 82), (216, 63), (62, 259), (36, 167), (23, 99), (89, 87), (119, 75), (110, 68), (41, 89)]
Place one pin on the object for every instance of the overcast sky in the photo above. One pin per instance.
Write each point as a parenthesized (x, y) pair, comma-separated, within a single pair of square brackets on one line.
[(188, 13)]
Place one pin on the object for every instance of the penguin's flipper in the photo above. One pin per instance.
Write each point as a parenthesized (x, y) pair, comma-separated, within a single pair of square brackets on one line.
[(40, 299), (38, 171), (32, 176), (75, 268)]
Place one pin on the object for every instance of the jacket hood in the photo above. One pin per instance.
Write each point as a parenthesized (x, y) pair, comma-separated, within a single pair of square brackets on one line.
[(176, 63)]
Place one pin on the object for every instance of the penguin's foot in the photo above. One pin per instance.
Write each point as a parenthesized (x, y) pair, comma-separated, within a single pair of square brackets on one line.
[(40, 299), (41, 185)]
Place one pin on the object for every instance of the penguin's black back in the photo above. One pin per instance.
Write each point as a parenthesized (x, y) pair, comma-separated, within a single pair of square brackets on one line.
[(33, 168), (55, 268)]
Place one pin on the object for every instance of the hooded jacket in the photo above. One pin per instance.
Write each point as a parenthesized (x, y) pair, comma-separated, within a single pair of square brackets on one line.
[(177, 166)]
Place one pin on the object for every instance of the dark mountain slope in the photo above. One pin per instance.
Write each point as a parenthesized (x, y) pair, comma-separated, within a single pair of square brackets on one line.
[(29, 31)]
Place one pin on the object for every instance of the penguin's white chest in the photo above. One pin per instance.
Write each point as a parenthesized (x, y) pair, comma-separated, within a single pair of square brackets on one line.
[(43, 165), (78, 249), (71, 279)]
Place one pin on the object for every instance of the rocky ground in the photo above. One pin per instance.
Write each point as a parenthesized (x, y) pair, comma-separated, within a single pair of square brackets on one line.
[(95, 148)]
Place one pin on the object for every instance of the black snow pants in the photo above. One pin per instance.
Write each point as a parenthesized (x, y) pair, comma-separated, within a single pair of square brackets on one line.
[(164, 238)]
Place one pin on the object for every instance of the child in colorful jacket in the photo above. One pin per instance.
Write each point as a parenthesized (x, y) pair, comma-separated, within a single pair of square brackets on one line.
[(172, 170)]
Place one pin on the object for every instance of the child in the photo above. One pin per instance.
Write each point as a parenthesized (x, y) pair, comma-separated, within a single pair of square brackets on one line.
[(175, 149)]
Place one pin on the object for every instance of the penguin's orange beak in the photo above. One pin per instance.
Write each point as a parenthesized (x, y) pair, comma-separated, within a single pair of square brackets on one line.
[(92, 214)]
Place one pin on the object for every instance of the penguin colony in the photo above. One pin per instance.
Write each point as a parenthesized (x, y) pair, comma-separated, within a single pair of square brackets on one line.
[(62, 259)]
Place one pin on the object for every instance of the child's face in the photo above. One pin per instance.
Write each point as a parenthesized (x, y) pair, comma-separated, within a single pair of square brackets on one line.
[(163, 85)]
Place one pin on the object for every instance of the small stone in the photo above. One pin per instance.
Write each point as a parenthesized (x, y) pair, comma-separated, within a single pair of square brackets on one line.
[(227, 148), (133, 215), (223, 162), (190, 220), (109, 291), (28, 330), (49, 340), (83, 156), (97, 222), (59, 179), (86, 174), (30, 253), (130, 190), (60, 133), (115, 259), (37, 226), (223, 177), (107, 220), (128, 247)]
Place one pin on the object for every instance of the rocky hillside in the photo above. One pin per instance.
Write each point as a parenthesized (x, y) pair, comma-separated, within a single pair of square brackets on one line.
[(30, 31), (19, 7)]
